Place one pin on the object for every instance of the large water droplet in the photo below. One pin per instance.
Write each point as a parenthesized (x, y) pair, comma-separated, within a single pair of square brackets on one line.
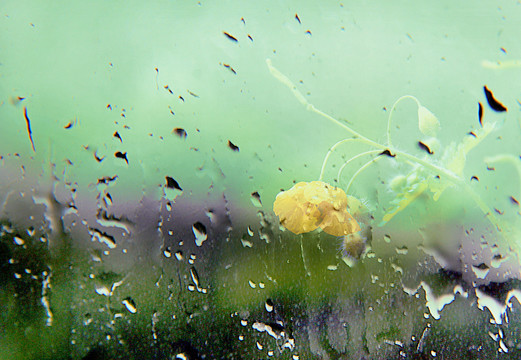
[(130, 305), (200, 234), (481, 271)]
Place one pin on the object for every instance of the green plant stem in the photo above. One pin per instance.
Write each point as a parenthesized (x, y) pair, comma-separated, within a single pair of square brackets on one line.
[(370, 152), (362, 168), (391, 115), (450, 176), (330, 151), (399, 154)]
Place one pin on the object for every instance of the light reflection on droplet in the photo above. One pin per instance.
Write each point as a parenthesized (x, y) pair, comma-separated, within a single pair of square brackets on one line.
[(130, 305), (269, 305), (18, 241)]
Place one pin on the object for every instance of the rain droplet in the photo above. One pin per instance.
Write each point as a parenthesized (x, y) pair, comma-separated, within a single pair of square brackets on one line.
[(402, 250), (102, 290), (481, 271), (167, 252), (210, 214), (18, 241), (255, 199), (200, 234), (130, 305), (172, 188), (497, 260), (269, 305), (246, 243), (397, 268), (102, 237), (179, 255)]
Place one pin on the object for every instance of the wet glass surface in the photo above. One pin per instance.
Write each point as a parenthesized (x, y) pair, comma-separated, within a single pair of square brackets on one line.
[(240, 180)]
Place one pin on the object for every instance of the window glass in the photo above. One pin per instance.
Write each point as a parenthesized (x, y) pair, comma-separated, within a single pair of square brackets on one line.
[(286, 180)]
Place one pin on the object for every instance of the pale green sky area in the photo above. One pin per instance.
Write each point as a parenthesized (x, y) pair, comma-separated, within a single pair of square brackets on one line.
[(70, 59)]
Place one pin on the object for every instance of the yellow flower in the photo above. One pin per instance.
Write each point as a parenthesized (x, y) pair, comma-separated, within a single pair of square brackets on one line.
[(311, 205)]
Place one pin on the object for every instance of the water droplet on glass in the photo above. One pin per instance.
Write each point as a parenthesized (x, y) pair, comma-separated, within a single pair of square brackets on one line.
[(167, 252), (269, 305), (195, 280), (397, 268), (497, 260), (402, 250), (130, 305), (179, 255), (102, 290), (246, 243), (172, 188), (199, 231), (481, 271), (18, 241), (102, 237), (255, 199), (210, 214)]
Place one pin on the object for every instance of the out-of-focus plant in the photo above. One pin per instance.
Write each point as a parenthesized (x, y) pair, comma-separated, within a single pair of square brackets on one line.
[(425, 175)]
